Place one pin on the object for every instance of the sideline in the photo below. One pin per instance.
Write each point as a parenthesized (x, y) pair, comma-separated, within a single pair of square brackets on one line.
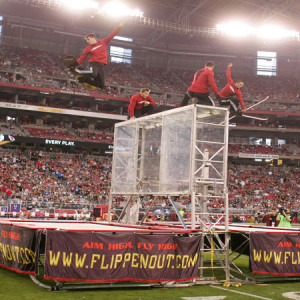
[(242, 293)]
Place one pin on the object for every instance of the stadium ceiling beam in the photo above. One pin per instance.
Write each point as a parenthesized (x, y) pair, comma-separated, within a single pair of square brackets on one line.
[(279, 9), (180, 16), (270, 10)]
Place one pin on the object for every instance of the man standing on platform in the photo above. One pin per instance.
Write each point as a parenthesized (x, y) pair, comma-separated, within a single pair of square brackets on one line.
[(141, 104), (203, 79), (231, 95)]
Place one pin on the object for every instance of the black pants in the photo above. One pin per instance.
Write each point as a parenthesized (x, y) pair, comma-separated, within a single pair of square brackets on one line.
[(232, 103), (146, 110), (97, 76), (203, 98)]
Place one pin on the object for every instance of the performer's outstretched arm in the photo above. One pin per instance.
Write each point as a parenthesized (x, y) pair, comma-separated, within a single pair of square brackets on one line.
[(114, 33)]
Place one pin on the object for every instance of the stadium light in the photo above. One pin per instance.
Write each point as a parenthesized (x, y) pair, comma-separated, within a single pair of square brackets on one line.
[(119, 9), (275, 32), (270, 32), (236, 29)]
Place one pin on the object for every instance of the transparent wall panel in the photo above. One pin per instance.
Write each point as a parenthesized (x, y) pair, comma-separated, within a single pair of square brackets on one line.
[(150, 158), (124, 159), (210, 141), (176, 152)]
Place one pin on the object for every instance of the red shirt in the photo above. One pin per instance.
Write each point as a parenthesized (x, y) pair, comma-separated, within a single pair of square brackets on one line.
[(230, 89), (138, 102), (203, 79), (98, 52)]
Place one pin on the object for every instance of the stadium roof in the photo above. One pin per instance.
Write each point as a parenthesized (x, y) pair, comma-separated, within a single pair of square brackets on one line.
[(198, 13)]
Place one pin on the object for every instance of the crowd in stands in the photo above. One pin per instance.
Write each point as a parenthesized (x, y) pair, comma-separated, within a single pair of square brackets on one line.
[(94, 136), (37, 68), (37, 177), (264, 188), (254, 149)]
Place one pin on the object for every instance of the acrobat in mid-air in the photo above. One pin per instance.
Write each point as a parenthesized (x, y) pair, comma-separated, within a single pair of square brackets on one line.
[(94, 76), (231, 97)]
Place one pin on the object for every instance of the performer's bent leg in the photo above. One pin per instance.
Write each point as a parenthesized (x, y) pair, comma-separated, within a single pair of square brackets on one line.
[(100, 77), (97, 77), (224, 102), (205, 99), (232, 103), (147, 110), (185, 99), (85, 79), (137, 113)]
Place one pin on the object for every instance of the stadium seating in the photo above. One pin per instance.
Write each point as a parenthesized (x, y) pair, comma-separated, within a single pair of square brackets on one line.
[(63, 179), (37, 68)]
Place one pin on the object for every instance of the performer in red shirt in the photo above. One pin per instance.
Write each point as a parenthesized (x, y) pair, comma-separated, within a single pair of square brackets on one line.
[(231, 95), (98, 58), (141, 104), (203, 79)]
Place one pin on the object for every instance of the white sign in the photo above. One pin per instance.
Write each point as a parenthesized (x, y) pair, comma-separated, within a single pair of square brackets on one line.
[(258, 155), (59, 142)]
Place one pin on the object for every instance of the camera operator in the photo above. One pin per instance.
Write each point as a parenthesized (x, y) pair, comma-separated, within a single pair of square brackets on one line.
[(270, 218), (284, 218)]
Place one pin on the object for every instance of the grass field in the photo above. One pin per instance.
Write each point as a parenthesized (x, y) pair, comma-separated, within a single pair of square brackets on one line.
[(17, 286)]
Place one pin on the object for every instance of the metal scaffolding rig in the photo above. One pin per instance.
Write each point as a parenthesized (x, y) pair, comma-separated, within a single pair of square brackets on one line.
[(180, 152)]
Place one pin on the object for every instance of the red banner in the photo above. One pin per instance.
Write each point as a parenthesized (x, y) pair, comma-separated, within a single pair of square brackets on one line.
[(95, 257), (19, 249), (275, 253)]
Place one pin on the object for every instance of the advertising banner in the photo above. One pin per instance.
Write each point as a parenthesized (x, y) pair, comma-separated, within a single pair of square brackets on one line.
[(275, 253), (19, 249), (97, 257)]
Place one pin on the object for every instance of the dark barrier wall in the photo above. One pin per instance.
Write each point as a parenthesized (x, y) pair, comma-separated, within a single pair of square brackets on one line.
[(58, 143)]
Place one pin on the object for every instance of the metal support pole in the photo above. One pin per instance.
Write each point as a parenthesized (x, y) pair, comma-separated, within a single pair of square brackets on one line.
[(109, 207), (148, 210), (124, 209), (177, 212), (193, 210)]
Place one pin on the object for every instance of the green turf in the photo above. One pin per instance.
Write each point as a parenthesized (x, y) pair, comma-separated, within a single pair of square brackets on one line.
[(17, 286)]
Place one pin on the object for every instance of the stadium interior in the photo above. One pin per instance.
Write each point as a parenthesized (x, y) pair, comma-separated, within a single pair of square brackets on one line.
[(58, 137)]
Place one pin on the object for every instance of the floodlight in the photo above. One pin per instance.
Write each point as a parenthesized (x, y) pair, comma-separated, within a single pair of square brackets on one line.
[(235, 29), (275, 32), (270, 32)]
